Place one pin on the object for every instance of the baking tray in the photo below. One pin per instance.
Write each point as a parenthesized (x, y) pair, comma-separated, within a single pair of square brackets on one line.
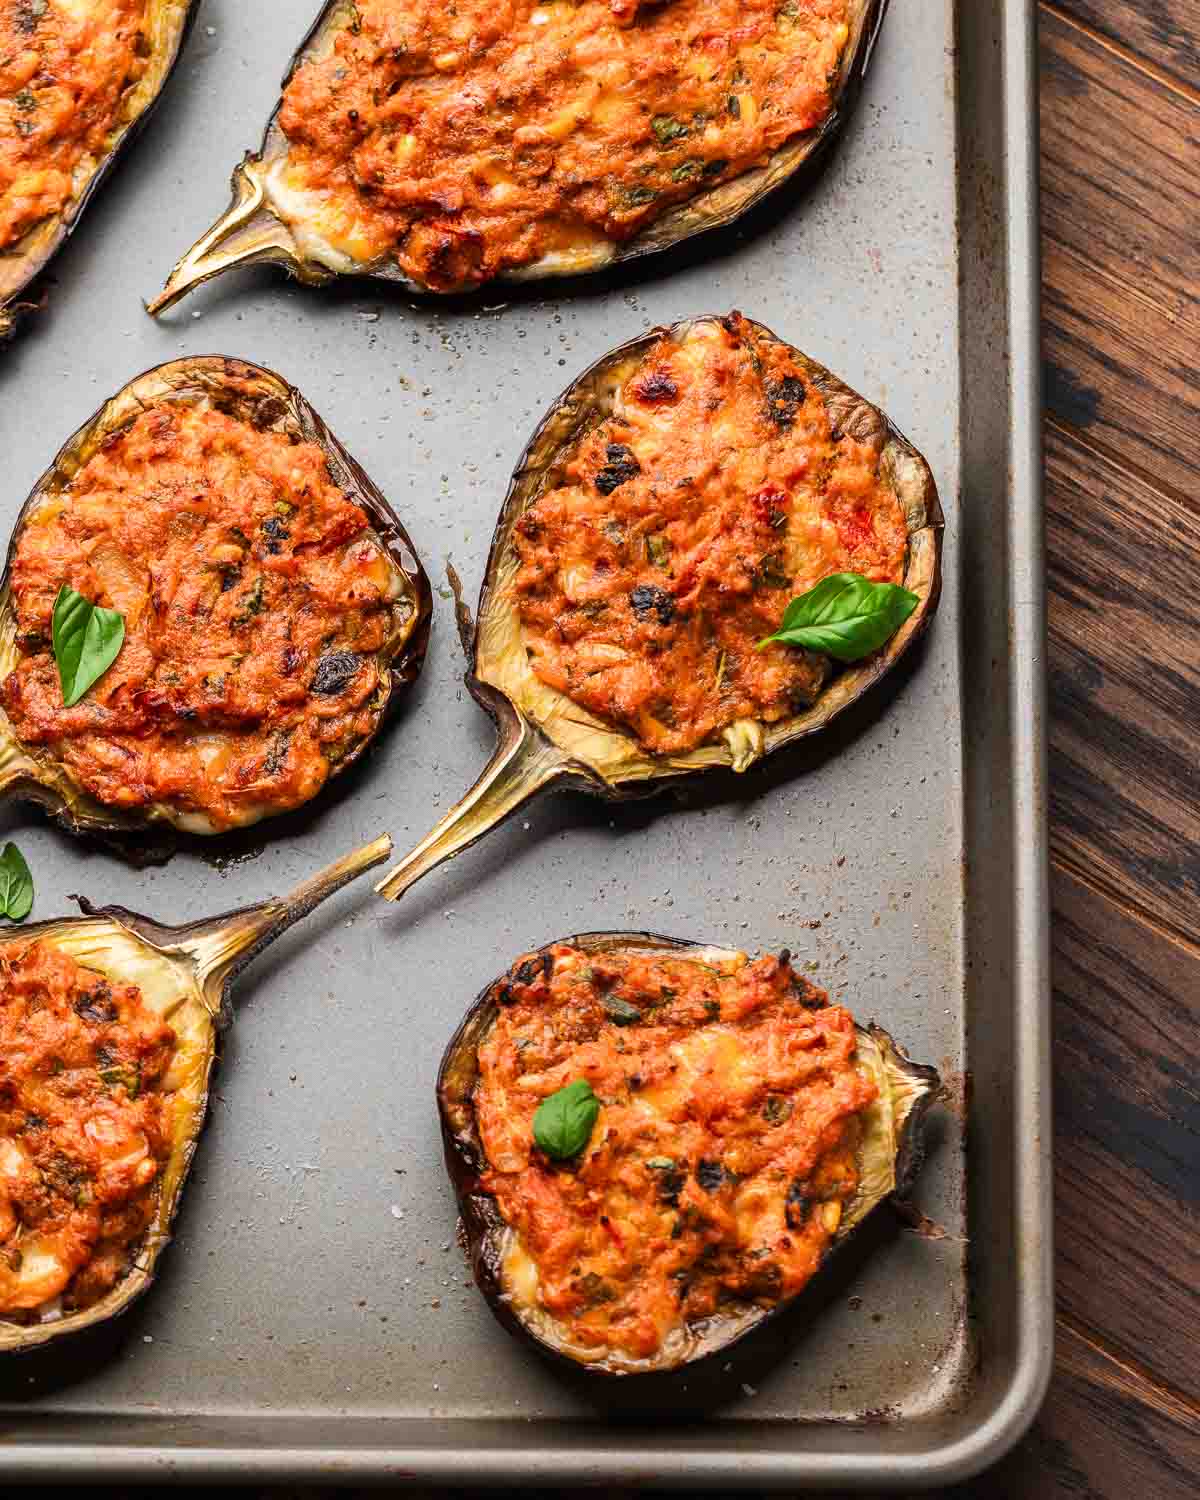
[(315, 1319)]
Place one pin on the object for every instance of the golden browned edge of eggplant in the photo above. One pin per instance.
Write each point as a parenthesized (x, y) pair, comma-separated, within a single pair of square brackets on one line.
[(266, 400), (889, 1157), (545, 737), (170, 23), (251, 232), (186, 975)]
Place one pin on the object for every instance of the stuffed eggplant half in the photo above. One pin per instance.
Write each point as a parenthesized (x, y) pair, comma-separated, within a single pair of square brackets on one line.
[(444, 146), (691, 494), (208, 609), (108, 1026), (78, 78), (656, 1145)]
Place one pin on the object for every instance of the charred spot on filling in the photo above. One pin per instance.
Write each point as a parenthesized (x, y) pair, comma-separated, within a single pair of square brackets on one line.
[(649, 602), (471, 140), (681, 529), (84, 1128), (694, 1191), (620, 468), (710, 1175), (655, 387), (785, 397), (63, 73), (259, 604), (335, 671)]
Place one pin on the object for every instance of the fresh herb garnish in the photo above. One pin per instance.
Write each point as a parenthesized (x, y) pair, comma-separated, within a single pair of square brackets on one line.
[(251, 603), (118, 1074), (621, 1011), (667, 128), (87, 640), (563, 1123), (846, 616), (16, 885), (776, 1110)]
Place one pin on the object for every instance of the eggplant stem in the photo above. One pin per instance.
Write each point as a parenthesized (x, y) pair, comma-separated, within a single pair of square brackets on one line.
[(516, 772), (247, 233), (221, 947)]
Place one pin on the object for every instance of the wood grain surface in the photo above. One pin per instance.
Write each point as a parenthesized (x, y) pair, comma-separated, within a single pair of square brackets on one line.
[(1120, 117)]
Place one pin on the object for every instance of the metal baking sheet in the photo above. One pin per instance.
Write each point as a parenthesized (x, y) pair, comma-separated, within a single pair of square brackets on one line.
[(315, 1319)]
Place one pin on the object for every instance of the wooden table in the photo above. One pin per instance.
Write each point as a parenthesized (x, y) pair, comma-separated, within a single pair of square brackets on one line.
[(1121, 240), (1120, 121)]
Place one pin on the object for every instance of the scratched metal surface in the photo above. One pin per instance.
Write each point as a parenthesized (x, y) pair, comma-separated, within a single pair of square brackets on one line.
[(314, 1316)]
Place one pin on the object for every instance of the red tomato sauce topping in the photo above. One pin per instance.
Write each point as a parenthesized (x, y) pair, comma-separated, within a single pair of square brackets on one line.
[(255, 595), (720, 488), (84, 1127), (63, 72), (474, 138), (723, 1154)]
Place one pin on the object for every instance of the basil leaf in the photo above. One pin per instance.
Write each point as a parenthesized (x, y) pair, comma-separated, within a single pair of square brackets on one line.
[(846, 616), (87, 640), (563, 1124), (16, 885), (621, 1011)]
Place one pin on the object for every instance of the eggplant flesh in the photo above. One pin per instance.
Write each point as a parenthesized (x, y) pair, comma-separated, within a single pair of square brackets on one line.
[(889, 1155), (258, 228), (544, 737), (168, 23), (185, 975), (264, 400)]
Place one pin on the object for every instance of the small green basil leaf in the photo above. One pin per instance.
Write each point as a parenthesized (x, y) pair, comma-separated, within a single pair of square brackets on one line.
[(16, 885), (846, 616), (87, 640), (563, 1123), (621, 1011)]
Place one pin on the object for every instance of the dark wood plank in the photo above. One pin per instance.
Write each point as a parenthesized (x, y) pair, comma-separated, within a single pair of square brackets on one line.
[(1105, 1433), (1121, 297), (1127, 1133), (1124, 666), (1160, 34)]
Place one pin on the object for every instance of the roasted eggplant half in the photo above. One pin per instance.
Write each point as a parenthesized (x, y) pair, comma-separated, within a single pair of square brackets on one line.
[(656, 1145), (77, 82), (272, 606), (111, 1023), (442, 148), (664, 513)]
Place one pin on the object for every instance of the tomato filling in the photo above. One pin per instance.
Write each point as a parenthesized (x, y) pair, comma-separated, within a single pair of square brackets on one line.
[(465, 140), (64, 68), (723, 1156), (721, 487), (84, 1127), (257, 600)]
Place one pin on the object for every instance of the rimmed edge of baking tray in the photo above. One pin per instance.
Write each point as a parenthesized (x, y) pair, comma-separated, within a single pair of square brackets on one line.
[(1009, 1181)]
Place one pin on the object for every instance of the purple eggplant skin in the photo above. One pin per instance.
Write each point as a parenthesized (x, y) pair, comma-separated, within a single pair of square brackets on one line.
[(481, 1226), (263, 398), (14, 304)]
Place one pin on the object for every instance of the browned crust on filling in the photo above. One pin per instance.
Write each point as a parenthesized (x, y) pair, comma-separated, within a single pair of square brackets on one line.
[(719, 488), (257, 600), (722, 1156), (472, 139), (84, 1127), (62, 79)]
